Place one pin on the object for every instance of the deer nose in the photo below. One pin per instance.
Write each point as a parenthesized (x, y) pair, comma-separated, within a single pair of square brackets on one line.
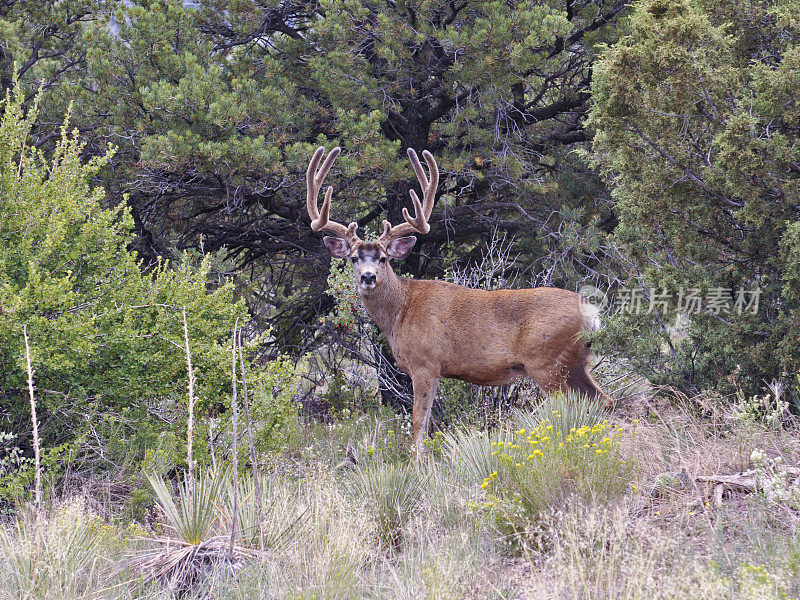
[(368, 278)]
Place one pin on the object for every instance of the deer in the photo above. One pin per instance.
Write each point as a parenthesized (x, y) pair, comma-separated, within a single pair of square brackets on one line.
[(438, 329)]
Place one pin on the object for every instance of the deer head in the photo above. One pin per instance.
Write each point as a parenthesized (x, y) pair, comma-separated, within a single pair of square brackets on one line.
[(370, 260)]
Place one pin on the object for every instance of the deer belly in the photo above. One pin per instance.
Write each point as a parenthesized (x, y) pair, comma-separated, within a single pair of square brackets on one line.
[(485, 373)]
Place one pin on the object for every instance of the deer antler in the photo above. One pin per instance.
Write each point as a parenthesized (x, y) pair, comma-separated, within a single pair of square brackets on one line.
[(314, 179), (422, 210)]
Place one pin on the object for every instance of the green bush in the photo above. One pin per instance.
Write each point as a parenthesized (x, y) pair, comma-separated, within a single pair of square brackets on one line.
[(273, 413), (541, 469), (106, 336), (694, 112)]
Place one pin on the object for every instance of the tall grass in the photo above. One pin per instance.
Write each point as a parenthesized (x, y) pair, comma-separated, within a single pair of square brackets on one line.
[(65, 552), (388, 530), (268, 520), (601, 553)]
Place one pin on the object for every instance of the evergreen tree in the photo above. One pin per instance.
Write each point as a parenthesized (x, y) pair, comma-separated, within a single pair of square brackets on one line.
[(697, 120)]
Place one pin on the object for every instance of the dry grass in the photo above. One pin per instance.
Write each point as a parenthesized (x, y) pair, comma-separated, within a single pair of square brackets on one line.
[(673, 545)]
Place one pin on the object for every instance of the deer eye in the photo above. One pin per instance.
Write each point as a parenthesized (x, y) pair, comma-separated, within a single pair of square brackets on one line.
[(354, 259), (383, 259)]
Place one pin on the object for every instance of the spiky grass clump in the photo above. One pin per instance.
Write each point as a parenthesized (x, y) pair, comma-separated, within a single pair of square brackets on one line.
[(198, 546), (568, 410), (329, 556), (471, 453), (390, 493), (192, 513)]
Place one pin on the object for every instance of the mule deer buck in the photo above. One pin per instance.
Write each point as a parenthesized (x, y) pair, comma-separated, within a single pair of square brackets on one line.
[(438, 329)]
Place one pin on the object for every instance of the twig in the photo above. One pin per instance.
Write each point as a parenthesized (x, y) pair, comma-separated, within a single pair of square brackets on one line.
[(235, 426), (34, 420), (190, 425), (253, 455), (211, 445)]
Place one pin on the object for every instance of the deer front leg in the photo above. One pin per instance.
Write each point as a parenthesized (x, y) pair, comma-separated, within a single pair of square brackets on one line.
[(424, 391)]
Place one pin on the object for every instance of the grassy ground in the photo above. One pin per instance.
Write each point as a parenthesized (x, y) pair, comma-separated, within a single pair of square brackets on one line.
[(603, 510)]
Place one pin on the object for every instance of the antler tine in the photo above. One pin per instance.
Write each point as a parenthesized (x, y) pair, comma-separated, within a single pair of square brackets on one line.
[(314, 179), (422, 210)]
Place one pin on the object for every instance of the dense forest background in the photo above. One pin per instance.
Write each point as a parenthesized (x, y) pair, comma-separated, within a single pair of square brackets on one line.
[(649, 146)]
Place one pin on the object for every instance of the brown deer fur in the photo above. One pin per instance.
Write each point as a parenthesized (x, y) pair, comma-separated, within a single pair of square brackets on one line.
[(438, 329)]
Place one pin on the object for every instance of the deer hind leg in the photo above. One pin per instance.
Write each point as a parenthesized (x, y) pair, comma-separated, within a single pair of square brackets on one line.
[(581, 381), (424, 391), (551, 379)]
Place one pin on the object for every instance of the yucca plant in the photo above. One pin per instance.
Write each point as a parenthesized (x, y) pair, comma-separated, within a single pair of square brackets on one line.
[(199, 546), (192, 513), (565, 411), (390, 492), (282, 514), (470, 452)]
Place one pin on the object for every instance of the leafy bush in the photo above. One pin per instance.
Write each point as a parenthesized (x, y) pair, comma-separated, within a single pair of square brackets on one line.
[(272, 410), (106, 337), (541, 469)]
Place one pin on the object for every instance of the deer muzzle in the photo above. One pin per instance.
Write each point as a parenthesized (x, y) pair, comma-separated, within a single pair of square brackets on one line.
[(368, 280)]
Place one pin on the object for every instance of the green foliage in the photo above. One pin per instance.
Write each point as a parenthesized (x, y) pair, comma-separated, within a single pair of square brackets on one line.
[(541, 469), (455, 403), (106, 338), (44, 46), (273, 413), (342, 289), (16, 469), (695, 116)]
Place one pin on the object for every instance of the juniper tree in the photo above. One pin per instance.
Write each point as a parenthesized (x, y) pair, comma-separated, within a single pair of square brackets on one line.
[(696, 124)]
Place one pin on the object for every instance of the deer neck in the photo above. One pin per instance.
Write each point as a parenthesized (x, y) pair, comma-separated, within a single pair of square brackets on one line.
[(385, 304)]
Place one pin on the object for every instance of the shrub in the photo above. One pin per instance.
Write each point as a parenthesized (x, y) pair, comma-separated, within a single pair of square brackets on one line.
[(192, 514), (272, 410), (541, 469), (106, 337)]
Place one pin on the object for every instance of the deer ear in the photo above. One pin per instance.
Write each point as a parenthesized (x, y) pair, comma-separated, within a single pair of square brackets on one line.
[(338, 247), (401, 247)]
